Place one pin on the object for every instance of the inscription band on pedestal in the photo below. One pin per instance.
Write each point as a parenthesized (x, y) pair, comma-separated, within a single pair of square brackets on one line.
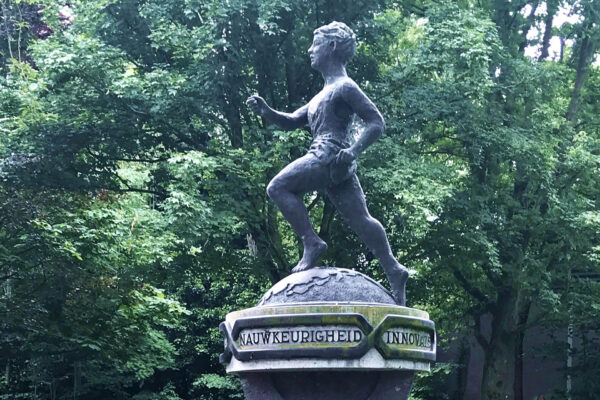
[(332, 335)]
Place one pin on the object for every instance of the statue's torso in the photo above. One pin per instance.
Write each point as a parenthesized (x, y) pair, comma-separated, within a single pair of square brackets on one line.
[(329, 117)]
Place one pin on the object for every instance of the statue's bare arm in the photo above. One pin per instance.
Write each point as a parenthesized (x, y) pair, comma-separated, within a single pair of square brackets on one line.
[(362, 106), (287, 121)]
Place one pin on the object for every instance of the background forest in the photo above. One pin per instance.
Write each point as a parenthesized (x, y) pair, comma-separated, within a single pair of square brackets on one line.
[(133, 212)]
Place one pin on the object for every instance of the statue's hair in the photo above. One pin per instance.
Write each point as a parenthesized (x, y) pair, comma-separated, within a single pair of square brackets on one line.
[(343, 36)]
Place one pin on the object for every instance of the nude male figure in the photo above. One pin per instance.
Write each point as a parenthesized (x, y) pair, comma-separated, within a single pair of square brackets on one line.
[(330, 163)]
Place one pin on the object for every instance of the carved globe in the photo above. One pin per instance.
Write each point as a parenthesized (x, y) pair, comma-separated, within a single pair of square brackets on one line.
[(327, 284)]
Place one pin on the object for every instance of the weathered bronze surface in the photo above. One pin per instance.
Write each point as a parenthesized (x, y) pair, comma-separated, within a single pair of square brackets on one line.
[(330, 163)]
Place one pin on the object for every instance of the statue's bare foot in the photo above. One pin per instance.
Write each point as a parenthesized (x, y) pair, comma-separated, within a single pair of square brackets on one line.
[(397, 276), (312, 253)]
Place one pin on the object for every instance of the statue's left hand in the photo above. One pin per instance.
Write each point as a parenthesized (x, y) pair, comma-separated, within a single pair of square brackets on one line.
[(346, 156)]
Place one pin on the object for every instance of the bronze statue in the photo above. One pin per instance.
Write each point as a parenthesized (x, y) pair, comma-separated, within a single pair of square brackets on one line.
[(330, 163)]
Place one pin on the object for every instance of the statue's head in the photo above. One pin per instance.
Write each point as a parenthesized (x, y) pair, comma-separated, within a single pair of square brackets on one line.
[(333, 42)]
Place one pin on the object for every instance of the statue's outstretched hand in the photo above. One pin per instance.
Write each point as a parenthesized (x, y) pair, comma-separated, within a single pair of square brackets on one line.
[(257, 104), (346, 156)]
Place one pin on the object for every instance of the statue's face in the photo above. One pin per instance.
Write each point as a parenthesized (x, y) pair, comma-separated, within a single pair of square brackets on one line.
[(320, 52)]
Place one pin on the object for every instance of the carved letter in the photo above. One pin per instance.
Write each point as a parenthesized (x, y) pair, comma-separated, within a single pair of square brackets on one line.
[(266, 337), (404, 337), (295, 336), (329, 333), (305, 336)]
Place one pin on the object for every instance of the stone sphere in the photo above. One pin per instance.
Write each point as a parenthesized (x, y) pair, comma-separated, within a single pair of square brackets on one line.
[(327, 284)]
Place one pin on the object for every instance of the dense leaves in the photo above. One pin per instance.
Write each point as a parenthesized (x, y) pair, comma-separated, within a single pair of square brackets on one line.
[(133, 212)]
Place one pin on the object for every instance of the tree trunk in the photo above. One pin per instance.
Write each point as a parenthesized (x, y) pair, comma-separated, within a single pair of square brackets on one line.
[(326, 220), (289, 50), (274, 245), (499, 367), (501, 10), (551, 9), (8, 294), (234, 121), (7, 27), (463, 367), (527, 28), (76, 379), (523, 317), (291, 76), (585, 54), (53, 389), (501, 364)]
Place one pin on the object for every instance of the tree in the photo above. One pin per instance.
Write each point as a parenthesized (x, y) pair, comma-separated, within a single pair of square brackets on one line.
[(132, 180), (504, 239)]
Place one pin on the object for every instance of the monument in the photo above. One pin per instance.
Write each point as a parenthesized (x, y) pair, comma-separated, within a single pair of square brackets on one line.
[(328, 333)]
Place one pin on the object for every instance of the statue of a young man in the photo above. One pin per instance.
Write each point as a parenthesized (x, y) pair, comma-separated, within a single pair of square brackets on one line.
[(330, 163)]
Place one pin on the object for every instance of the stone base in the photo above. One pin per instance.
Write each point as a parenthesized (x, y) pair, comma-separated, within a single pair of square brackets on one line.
[(331, 385), (327, 334)]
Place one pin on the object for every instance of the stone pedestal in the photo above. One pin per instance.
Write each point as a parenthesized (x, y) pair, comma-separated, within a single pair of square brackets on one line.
[(327, 334)]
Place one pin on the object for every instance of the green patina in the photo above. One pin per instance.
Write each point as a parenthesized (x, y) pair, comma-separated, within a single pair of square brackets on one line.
[(373, 313), (372, 320)]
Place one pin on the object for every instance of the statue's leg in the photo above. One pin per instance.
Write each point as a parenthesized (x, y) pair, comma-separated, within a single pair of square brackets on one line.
[(349, 199), (304, 175)]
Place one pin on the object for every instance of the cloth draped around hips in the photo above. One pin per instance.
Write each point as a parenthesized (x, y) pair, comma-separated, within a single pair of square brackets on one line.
[(326, 149)]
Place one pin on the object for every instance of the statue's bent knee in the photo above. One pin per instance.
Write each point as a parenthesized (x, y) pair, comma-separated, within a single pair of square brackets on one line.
[(273, 189)]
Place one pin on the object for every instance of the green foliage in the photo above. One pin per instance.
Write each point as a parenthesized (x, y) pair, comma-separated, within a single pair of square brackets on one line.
[(133, 213), (435, 384), (167, 393), (220, 385)]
